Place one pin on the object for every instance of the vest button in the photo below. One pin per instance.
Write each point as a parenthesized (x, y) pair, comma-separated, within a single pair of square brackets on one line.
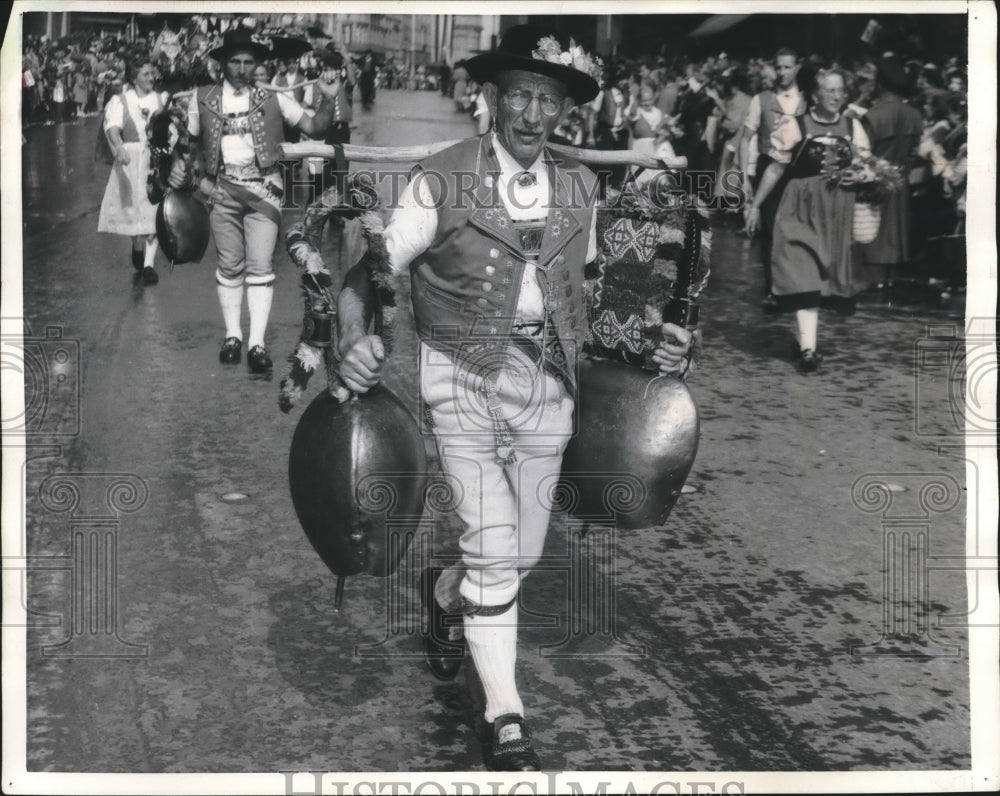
[(494, 253), (565, 275), (560, 259), (490, 270), (569, 291), (482, 302)]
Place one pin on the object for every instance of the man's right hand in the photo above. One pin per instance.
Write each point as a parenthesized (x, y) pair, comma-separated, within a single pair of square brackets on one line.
[(178, 175), (360, 369)]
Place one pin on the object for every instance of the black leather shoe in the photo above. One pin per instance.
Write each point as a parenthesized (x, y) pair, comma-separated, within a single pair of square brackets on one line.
[(138, 258), (809, 361), (230, 352), (257, 359), (149, 275), (444, 642), (511, 749)]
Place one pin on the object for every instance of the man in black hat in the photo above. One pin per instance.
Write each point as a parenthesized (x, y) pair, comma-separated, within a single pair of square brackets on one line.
[(895, 128), (337, 58), (240, 127), (496, 232)]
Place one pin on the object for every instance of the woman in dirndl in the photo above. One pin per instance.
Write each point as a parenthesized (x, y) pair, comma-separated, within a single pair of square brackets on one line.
[(812, 259), (126, 210)]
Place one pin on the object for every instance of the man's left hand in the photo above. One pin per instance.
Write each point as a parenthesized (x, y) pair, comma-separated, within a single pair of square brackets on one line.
[(329, 82), (670, 353)]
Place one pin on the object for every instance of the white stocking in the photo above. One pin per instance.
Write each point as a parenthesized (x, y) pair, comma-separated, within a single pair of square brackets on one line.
[(807, 323), (492, 642)]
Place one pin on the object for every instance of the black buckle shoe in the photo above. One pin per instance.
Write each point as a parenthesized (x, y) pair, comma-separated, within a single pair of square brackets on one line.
[(511, 748), (444, 641), (149, 275), (809, 361), (257, 359), (230, 352)]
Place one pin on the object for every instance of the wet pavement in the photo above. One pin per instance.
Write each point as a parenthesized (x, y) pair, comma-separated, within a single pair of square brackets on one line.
[(783, 620)]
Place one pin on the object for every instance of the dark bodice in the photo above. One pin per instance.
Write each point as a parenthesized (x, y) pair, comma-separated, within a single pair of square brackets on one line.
[(822, 144)]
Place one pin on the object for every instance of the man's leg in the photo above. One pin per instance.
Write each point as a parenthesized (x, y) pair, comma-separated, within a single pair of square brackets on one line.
[(768, 212), (261, 233), (505, 516), (226, 218)]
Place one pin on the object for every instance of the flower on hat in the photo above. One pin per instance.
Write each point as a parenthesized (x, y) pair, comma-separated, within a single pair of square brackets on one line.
[(548, 49)]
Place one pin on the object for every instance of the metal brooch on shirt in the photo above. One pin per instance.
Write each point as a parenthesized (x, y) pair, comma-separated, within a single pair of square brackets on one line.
[(526, 178)]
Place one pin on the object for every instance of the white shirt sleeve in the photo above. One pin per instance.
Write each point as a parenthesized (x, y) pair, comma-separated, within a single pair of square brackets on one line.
[(752, 121), (592, 240), (114, 113), (193, 120), (291, 111), (861, 142), (413, 224)]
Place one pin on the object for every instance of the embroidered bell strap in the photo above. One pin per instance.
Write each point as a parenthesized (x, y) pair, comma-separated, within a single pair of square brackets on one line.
[(258, 194), (236, 124)]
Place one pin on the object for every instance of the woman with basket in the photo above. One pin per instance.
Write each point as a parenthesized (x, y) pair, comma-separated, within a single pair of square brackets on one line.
[(814, 228)]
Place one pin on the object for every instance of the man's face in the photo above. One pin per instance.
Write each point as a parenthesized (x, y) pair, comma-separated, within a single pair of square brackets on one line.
[(786, 68), (239, 68), (524, 131)]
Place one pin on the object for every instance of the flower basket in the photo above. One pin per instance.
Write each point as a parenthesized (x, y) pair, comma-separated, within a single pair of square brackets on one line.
[(867, 218)]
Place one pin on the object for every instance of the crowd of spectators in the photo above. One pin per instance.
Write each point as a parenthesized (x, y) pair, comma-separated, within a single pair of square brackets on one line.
[(687, 112), (693, 113)]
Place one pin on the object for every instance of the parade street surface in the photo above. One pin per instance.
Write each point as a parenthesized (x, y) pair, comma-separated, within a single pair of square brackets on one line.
[(804, 609)]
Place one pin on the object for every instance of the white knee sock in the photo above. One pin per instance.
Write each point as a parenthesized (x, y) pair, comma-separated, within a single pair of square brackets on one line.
[(492, 642), (152, 246), (259, 303), (231, 300), (807, 322)]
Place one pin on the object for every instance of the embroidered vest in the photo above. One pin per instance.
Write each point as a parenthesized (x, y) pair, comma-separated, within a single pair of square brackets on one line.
[(465, 286), (265, 126)]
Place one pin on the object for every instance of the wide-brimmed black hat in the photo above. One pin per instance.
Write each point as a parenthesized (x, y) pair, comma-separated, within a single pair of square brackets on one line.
[(515, 52), (264, 45), (239, 40), (893, 76)]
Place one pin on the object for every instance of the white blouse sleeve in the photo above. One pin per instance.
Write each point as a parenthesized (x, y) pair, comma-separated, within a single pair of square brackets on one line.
[(114, 113), (860, 135)]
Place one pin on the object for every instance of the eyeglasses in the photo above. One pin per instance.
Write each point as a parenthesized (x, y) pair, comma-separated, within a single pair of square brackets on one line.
[(518, 100)]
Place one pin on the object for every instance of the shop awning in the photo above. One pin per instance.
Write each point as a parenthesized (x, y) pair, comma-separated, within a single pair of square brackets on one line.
[(717, 23)]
